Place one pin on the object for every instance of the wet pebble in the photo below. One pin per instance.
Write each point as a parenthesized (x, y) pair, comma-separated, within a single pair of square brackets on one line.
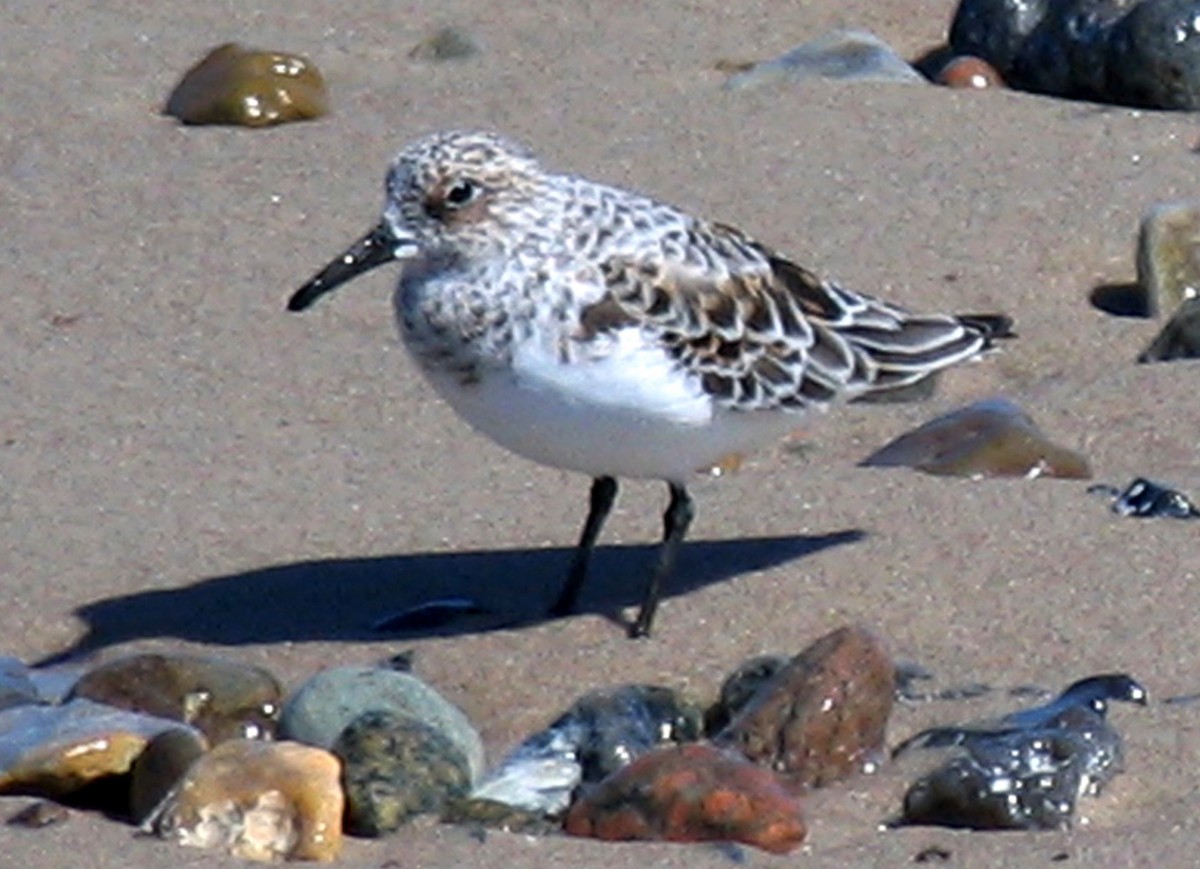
[(967, 72), (1179, 338), (855, 55), (822, 717), (264, 801), (1025, 771), (395, 767), (739, 688), (330, 701), (1168, 255), (1154, 55), (56, 750), (991, 438), (602, 731), (244, 87), (1147, 499), (221, 699), (691, 793), (160, 768)]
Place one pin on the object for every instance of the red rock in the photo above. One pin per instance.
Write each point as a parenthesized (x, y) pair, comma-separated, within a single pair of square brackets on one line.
[(691, 793), (823, 716), (967, 71)]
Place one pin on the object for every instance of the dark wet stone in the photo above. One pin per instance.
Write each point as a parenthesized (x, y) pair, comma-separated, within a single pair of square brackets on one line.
[(995, 30), (1155, 55), (1027, 770), (1179, 339), (739, 687), (160, 768), (326, 704), (248, 88), (395, 767), (1168, 255), (1068, 54), (265, 801), (691, 793), (601, 732), (992, 438), (41, 814), (1146, 499), (822, 717), (843, 54), (57, 750), (221, 699), (448, 43)]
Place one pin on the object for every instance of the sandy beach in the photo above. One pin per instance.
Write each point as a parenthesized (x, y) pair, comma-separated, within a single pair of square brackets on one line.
[(186, 466)]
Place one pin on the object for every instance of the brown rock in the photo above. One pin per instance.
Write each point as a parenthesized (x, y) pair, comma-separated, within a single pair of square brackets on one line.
[(822, 717), (691, 793), (968, 71), (260, 801)]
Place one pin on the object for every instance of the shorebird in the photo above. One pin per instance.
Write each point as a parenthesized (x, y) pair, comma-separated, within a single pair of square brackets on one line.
[(598, 330)]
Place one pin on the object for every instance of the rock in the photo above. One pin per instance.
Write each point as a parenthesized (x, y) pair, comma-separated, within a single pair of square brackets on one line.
[(16, 687), (602, 731), (221, 699), (160, 768), (967, 71), (1168, 255), (248, 88), (1154, 55), (995, 30), (448, 43), (41, 814), (264, 801), (822, 717), (739, 688), (1027, 770), (843, 54), (1144, 498), (326, 704), (395, 767), (500, 816), (56, 750), (691, 793), (1179, 339), (991, 438)]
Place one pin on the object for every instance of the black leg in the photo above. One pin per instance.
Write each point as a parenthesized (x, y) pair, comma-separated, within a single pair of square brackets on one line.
[(604, 492), (676, 520)]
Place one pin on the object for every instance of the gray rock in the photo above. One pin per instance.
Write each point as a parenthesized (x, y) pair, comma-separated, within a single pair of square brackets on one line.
[(843, 54)]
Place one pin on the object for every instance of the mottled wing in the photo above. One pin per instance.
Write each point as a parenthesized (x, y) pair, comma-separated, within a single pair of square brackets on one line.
[(761, 332)]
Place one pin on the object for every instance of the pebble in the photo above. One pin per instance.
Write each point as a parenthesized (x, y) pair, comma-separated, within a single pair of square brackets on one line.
[(691, 793), (822, 717), (159, 769), (36, 816), (330, 701), (990, 438), (448, 43), (603, 731), (1027, 770), (739, 688), (248, 88), (855, 55), (968, 72), (264, 801), (395, 767), (56, 750), (221, 699), (1168, 255), (1144, 499), (16, 686), (1179, 338)]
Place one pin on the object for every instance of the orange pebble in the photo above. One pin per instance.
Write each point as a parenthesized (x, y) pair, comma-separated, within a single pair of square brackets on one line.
[(967, 71)]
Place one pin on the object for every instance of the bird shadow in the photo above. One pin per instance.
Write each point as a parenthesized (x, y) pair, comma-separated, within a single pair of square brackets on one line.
[(341, 599)]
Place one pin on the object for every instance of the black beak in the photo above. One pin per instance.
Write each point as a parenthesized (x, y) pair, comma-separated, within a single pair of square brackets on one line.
[(377, 247)]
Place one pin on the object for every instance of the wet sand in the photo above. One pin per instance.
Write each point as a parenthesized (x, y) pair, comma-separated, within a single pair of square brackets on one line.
[(186, 466)]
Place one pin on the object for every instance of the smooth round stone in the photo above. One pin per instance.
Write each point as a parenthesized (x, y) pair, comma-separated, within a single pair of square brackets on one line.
[(265, 801), (160, 768), (739, 687), (855, 55), (395, 767), (995, 30), (326, 704), (55, 750), (1154, 55), (242, 87), (969, 73), (221, 699), (991, 438), (1069, 54)]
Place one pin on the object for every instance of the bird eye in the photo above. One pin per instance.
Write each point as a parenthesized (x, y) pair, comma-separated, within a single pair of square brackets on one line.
[(462, 192)]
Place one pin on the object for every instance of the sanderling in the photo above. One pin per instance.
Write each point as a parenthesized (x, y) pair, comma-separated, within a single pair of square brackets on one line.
[(595, 329)]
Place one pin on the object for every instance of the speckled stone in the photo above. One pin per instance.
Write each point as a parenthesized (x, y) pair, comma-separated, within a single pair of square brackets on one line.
[(822, 717), (248, 88), (992, 438), (221, 699), (691, 793), (264, 801), (55, 750), (395, 767), (1168, 255), (326, 704)]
